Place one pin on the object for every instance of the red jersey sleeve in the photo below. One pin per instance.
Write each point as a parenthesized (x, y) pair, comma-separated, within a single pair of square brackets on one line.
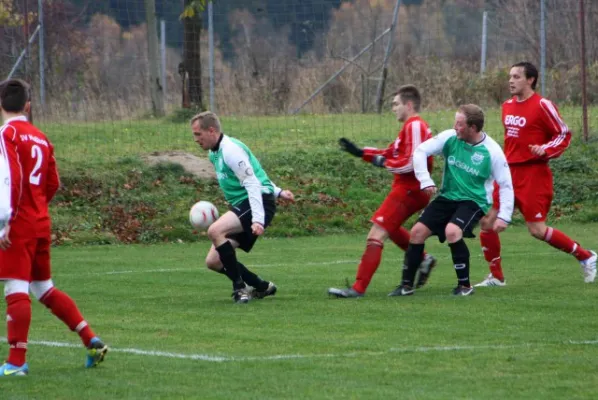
[(53, 180), (559, 131), (9, 139)]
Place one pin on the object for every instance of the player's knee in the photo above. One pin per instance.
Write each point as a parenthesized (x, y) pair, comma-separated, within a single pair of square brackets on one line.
[(40, 288), (377, 233), (453, 233), (537, 231), (14, 286), (418, 234), (214, 232)]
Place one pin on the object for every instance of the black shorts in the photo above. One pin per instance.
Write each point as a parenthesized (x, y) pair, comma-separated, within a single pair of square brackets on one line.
[(246, 239), (442, 211)]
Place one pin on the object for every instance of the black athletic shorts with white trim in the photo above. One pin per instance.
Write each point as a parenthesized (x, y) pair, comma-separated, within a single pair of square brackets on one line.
[(246, 239), (442, 211)]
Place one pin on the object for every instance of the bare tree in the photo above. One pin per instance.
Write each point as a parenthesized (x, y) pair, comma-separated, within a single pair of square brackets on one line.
[(192, 26)]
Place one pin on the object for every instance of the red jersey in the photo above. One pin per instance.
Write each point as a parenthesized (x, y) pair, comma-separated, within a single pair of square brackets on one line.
[(399, 154), (33, 177), (535, 121)]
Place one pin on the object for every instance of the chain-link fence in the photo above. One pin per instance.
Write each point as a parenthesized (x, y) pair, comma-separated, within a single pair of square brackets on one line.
[(271, 57)]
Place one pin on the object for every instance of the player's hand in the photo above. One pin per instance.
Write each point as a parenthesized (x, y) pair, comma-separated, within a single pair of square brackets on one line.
[(4, 240), (499, 225), (350, 147), (537, 150), (430, 191), (379, 161), (257, 229), (287, 195)]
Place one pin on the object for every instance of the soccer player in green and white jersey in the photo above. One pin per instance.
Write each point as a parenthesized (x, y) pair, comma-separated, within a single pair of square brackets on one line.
[(473, 161), (252, 199)]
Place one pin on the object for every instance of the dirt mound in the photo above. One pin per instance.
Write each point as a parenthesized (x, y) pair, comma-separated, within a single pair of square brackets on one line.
[(200, 167)]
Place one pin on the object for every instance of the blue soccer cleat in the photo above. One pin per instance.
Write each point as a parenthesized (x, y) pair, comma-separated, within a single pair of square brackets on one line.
[(12, 370), (96, 351)]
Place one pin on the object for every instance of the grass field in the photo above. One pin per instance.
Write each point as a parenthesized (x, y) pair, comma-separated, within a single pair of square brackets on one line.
[(175, 333)]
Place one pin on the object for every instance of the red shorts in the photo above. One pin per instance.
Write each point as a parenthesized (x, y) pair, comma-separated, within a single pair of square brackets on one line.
[(400, 204), (532, 184), (26, 259)]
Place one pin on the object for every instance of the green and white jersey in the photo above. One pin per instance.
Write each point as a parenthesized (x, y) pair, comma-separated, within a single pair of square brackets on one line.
[(469, 171), (241, 176)]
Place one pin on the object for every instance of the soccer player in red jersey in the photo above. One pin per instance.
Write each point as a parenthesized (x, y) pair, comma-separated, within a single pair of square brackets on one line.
[(30, 181), (535, 133), (405, 197)]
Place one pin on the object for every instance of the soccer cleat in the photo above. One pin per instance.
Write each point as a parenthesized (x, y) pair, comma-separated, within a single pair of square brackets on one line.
[(346, 293), (96, 351), (424, 270), (12, 370), (463, 290), (402, 290), (241, 296), (260, 294), (588, 267), (491, 281)]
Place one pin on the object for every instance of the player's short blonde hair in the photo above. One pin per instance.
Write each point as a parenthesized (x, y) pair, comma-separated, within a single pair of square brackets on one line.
[(207, 119), (474, 115)]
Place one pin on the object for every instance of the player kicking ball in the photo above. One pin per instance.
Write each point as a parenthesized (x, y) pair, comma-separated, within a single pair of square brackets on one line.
[(405, 197), (252, 199), (28, 181), (473, 161)]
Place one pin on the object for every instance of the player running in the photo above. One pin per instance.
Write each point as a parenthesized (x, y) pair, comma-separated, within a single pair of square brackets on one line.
[(535, 133), (252, 198), (405, 197)]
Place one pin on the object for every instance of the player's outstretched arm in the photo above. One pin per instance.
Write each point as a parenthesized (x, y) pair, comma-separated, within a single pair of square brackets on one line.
[(350, 147)]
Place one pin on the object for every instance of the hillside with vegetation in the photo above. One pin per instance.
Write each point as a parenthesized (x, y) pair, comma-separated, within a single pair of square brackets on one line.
[(110, 195)]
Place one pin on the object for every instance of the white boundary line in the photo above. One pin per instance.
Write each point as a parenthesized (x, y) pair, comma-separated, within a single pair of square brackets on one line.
[(223, 358)]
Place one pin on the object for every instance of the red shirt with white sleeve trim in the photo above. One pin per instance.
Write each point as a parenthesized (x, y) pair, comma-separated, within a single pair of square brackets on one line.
[(534, 121), (399, 154), (33, 177)]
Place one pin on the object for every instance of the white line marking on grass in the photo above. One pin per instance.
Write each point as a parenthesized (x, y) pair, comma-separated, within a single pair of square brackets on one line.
[(216, 358)]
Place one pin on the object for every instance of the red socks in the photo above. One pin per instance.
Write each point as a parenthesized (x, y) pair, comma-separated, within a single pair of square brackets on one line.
[(370, 260), (18, 320), (66, 310), (559, 240), (491, 248)]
